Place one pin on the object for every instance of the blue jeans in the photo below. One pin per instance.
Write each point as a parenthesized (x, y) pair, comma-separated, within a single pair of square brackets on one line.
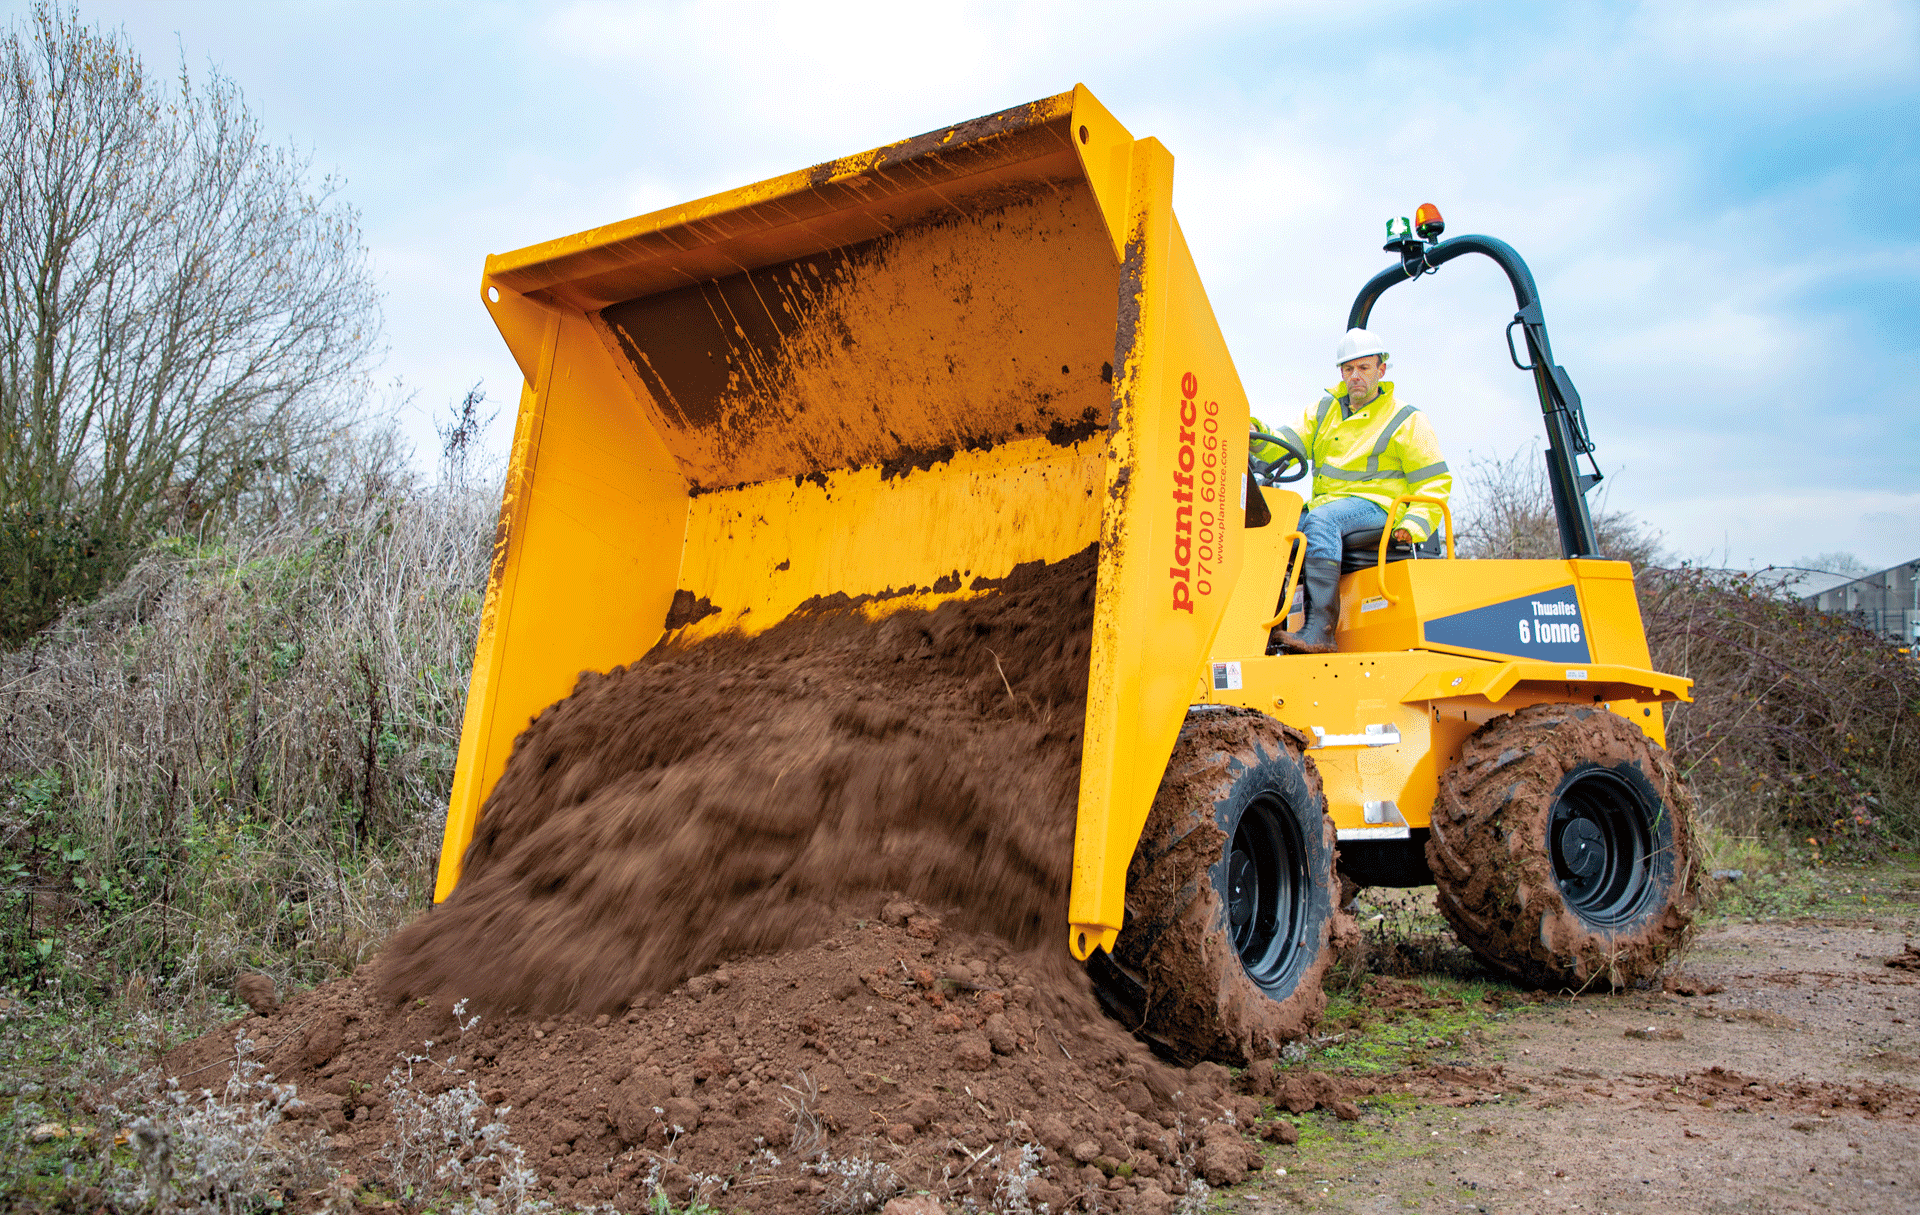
[(1324, 525)]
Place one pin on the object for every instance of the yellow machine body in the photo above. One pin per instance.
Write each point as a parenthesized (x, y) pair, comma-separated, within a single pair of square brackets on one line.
[(1388, 713), (884, 382)]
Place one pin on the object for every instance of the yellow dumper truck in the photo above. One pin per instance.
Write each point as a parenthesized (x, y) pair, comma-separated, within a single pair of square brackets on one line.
[(989, 344)]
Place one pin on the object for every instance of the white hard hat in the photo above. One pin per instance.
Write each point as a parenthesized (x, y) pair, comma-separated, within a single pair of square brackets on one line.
[(1358, 344)]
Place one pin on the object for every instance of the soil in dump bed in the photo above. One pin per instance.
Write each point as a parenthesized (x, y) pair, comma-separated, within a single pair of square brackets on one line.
[(744, 915)]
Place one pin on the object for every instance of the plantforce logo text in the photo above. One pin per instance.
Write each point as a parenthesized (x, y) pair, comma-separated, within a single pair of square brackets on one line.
[(1199, 524)]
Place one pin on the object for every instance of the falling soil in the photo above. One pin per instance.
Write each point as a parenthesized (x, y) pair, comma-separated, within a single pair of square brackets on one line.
[(745, 795)]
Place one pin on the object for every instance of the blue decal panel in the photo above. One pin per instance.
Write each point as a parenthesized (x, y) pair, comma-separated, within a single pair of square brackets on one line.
[(1545, 627)]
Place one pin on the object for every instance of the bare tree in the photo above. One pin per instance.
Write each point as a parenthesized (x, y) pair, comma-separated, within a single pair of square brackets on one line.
[(180, 308), (1834, 563), (1507, 511)]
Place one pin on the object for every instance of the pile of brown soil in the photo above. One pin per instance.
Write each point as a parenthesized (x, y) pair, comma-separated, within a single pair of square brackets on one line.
[(896, 1052), (780, 922)]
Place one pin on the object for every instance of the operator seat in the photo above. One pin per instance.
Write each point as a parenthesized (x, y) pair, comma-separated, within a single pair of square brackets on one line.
[(1360, 550)]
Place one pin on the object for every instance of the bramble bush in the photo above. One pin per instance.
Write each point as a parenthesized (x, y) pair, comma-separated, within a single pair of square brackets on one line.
[(1801, 720)]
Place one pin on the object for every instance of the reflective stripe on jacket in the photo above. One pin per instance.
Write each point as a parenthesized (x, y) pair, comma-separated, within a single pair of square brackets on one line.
[(1379, 453)]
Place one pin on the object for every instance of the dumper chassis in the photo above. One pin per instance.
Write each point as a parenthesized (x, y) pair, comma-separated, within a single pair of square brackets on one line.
[(887, 381)]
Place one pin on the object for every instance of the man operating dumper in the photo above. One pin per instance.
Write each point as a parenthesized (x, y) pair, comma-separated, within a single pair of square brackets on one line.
[(1367, 449)]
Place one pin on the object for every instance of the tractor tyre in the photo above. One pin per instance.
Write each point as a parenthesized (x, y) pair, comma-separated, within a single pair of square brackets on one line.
[(1232, 913), (1563, 847)]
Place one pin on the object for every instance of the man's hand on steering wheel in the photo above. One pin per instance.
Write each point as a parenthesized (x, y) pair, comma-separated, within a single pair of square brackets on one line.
[(1291, 466), (1402, 536)]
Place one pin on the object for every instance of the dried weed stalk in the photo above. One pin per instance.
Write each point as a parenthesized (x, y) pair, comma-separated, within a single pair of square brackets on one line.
[(801, 1102), (224, 1152)]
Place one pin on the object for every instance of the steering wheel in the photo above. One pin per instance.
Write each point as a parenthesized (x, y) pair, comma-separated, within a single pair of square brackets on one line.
[(1291, 466)]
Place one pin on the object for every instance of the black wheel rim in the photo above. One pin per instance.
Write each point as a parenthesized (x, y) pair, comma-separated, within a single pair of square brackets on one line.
[(1267, 894), (1601, 836)]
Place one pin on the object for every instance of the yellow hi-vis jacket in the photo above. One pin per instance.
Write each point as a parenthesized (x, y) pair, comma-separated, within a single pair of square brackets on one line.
[(1378, 453)]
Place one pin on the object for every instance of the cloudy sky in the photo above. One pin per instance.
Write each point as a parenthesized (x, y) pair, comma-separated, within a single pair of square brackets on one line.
[(1716, 198)]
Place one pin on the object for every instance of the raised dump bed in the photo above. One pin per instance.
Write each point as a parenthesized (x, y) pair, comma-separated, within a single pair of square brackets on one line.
[(885, 380)]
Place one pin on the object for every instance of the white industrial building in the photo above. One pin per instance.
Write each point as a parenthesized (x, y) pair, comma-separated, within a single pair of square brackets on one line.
[(1886, 602)]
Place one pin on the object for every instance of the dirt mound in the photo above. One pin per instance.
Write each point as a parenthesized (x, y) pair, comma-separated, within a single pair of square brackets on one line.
[(741, 796), (896, 1053), (778, 923)]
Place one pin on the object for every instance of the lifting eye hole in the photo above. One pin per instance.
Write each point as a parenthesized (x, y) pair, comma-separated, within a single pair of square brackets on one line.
[(1083, 134), (493, 295)]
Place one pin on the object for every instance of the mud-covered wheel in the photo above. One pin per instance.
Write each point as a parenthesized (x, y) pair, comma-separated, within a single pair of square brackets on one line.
[(1231, 912), (1563, 849)]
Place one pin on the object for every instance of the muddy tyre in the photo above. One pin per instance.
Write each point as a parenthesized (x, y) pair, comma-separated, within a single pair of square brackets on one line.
[(1563, 849), (1232, 918)]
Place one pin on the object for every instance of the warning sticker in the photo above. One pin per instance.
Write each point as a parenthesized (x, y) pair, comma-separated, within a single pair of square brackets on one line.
[(1226, 676)]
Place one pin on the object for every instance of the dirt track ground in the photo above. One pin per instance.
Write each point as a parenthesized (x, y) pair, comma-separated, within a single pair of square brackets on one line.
[(1603, 1103), (1788, 1081)]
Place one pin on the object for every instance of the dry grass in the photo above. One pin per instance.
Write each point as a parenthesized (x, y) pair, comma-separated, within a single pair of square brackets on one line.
[(240, 757)]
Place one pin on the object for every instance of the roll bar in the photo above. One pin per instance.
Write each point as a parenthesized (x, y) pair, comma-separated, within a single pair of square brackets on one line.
[(1559, 401)]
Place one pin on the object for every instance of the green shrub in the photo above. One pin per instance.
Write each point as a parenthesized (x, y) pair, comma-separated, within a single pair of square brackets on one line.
[(49, 559)]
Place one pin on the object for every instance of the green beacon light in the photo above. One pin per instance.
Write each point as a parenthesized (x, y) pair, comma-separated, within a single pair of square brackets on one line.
[(1400, 238)]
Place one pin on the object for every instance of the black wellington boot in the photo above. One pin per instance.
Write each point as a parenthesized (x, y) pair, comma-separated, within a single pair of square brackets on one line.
[(1322, 578)]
